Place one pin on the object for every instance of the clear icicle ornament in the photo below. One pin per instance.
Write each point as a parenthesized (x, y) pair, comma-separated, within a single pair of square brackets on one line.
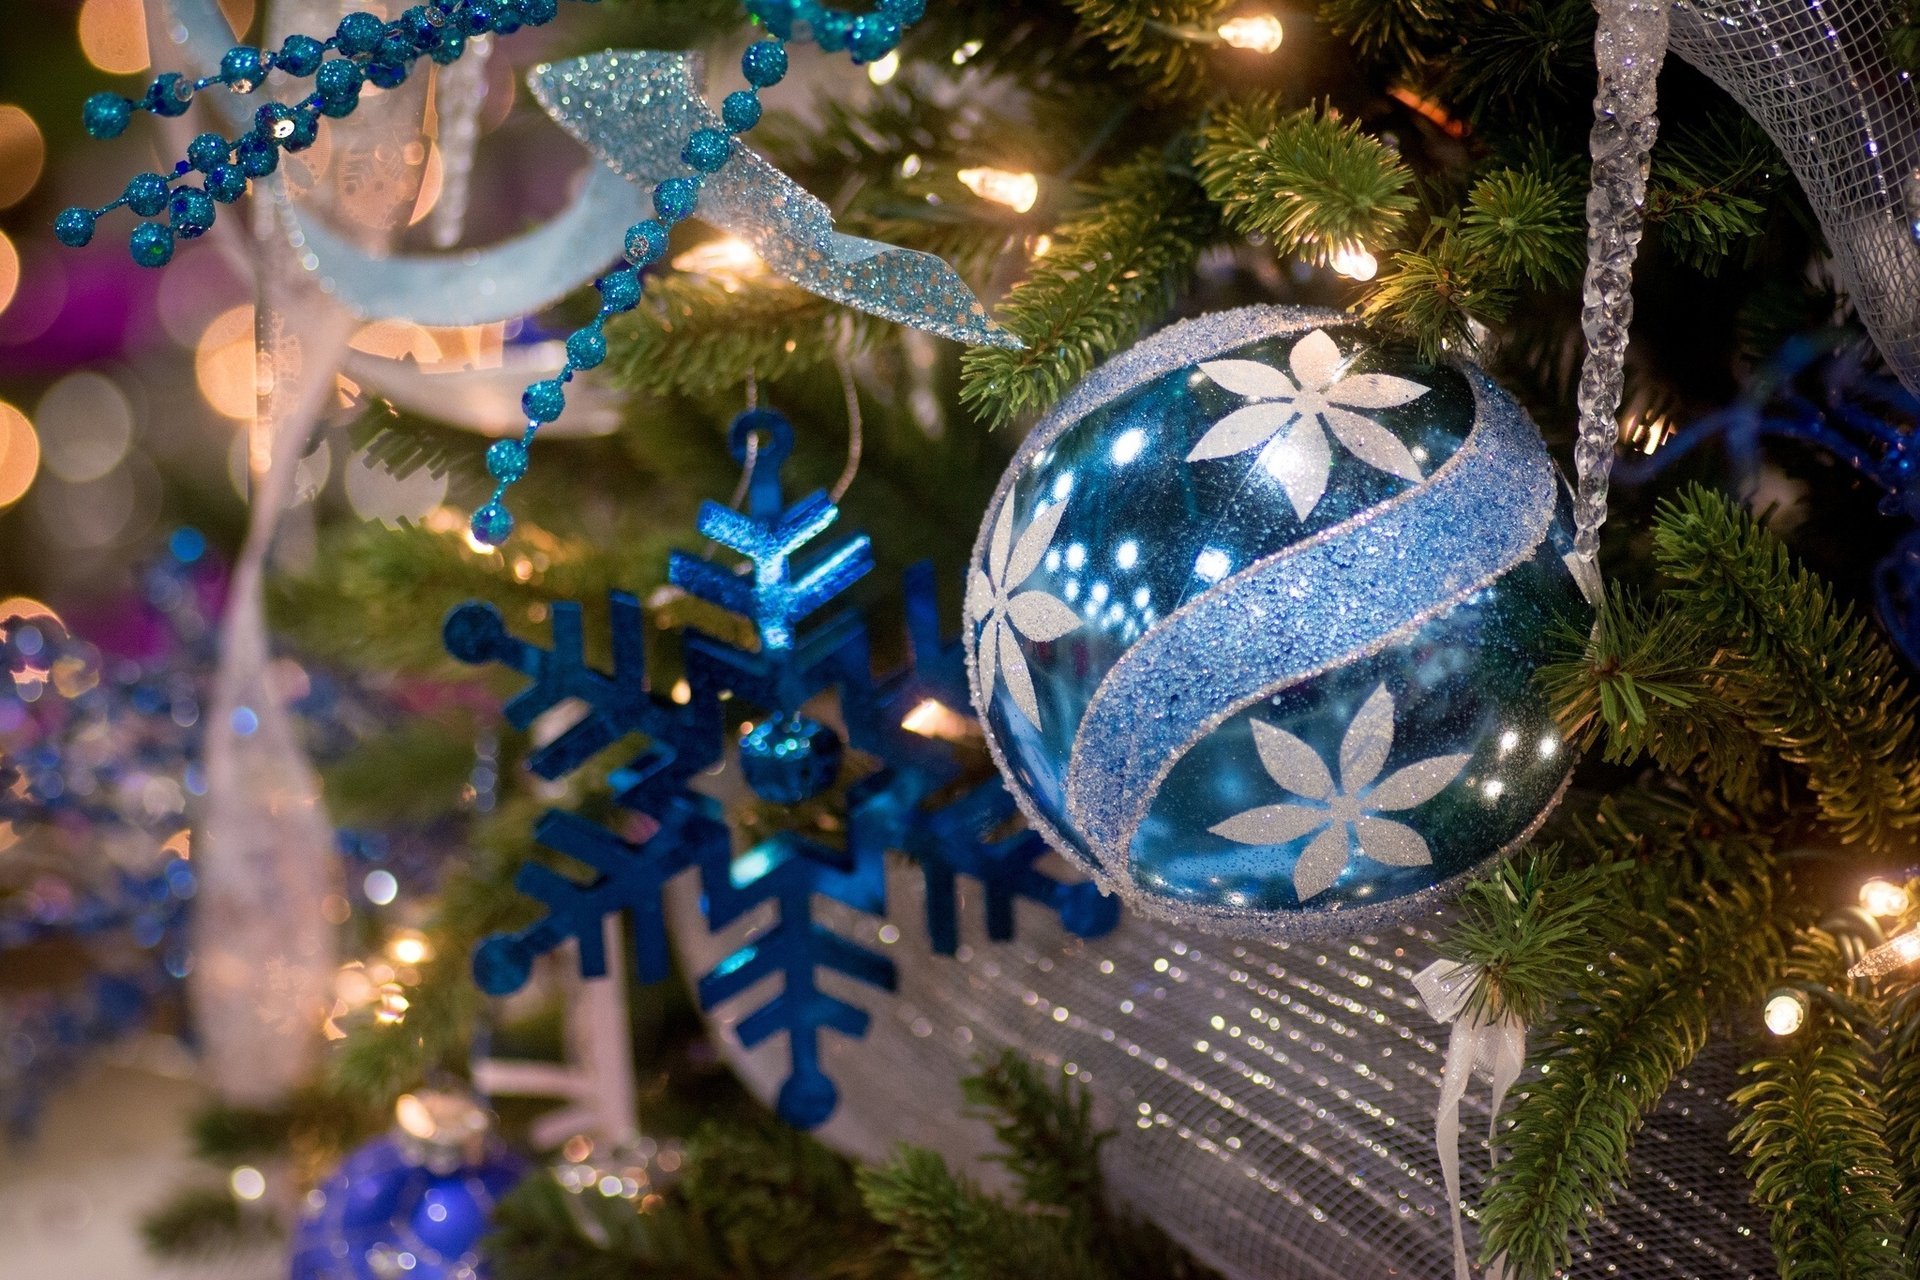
[(459, 91), (1629, 46)]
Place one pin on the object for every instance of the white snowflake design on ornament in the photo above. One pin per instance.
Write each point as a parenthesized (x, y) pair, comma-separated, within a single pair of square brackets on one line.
[(1291, 416), (1005, 617), (1348, 814)]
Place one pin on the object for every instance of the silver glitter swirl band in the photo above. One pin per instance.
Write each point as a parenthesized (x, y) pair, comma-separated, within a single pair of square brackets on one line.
[(1629, 46)]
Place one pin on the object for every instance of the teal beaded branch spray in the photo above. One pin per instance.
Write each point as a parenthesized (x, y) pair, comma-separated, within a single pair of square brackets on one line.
[(365, 49)]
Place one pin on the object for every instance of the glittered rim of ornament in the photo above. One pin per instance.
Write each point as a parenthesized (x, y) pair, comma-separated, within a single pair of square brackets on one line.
[(1161, 354)]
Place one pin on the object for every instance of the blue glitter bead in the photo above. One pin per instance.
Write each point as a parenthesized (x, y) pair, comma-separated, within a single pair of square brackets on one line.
[(226, 184), (545, 401), (764, 63), (170, 95), (506, 18), (386, 75), (305, 130), (874, 36), (243, 68), (707, 150), (338, 78), (675, 199), (146, 194), (619, 290), (478, 16), (256, 157), (106, 115), (646, 242), (538, 13), (790, 760), (358, 33), (340, 108), (420, 30), (152, 244), (191, 212), (775, 15), (904, 11), (586, 348), (74, 227), (741, 110), (831, 29), (492, 524), (1255, 618), (207, 152), (451, 45), (506, 460), (300, 56)]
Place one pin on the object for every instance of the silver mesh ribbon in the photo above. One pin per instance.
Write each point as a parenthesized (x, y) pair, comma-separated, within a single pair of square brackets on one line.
[(1815, 74), (1274, 1102)]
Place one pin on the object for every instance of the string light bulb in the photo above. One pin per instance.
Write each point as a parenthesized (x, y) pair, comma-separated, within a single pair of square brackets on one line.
[(1785, 1012), (728, 260), (1354, 262), (1889, 957), (1257, 32), (1884, 898), (1017, 191)]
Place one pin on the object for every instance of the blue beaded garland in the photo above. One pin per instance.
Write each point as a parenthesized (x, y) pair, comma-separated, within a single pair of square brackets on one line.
[(449, 47), (300, 56), (507, 460), (226, 184), (492, 524), (358, 33), (646, 242), (74, 227), (106, 115), (170, 95), (874, 37), (544, 401), (207, 152), (905, 12), (707, 150), (418, 28), (338, 78), (675, 199), (255, 156), (586, 348), (191, 212), (537, 13), (152, 244), (740, 111), (146, 194), (478, 17), (304, 130), (831, 29), (764, 63), (619, 290), (386, 75), (243, 68)]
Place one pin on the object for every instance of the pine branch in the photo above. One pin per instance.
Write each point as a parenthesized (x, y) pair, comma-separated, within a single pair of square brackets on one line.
[(950, 1230), (1305, 179), (1527, 225), (202, 1222), (696, 336), (1710, 187), (1816, 1137), (1532, 925), (1387, 30), (1900, 1081), (1153, 40), (1109, 273), (1643, 682), (1637, 1022), (1825, 690), (1047, 1135), (541, 1231), (1434, 294), (1514, 66)]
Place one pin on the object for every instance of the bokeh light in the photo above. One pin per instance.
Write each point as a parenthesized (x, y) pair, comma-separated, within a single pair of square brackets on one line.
[(85, 425), (19, 454), (23, 153), (113, 36), (224, 364), (9, 270)]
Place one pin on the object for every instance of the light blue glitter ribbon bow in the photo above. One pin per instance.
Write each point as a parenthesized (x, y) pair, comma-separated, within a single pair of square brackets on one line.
[(634, 109)]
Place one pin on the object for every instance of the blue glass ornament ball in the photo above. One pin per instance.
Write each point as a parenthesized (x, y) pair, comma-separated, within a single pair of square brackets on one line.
[(386, 1214), (787, 760), (1253, 621)]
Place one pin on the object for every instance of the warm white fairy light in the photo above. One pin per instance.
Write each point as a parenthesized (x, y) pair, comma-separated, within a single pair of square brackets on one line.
[(1258, 32), (883, 70), (1786, 1012), (728, 260), (1017, 191), (409, 946), (247, 1183), (1889, 957), (1884, 898), (1354, 262), (931, 718)]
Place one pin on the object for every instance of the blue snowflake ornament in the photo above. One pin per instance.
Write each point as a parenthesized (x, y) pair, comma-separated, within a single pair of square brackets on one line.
[(786, 756)]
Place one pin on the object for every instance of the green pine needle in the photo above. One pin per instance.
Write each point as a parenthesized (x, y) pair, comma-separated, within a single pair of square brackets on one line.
[(1528, 224), (1309, 181), (1532, 925), (1153, 41), (1824, 690), (1110, 272), (1436, 293)]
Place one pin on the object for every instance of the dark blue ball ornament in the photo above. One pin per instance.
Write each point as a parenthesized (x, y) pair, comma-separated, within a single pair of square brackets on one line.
[(1253, 621), (790, 759), (401, 1206)]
